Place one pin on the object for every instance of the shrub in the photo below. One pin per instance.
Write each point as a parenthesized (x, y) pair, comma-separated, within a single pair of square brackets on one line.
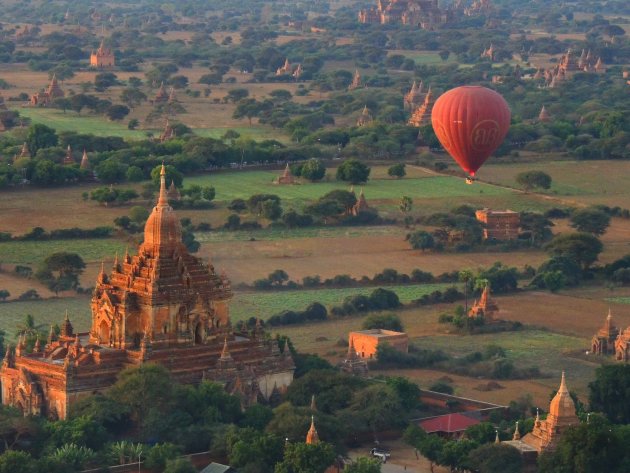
[(383, 321), (442, 387)]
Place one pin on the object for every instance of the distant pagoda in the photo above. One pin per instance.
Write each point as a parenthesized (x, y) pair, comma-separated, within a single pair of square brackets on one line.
[(422, 114)]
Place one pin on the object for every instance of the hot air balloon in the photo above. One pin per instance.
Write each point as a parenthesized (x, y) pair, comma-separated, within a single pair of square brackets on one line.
[(470, 122)]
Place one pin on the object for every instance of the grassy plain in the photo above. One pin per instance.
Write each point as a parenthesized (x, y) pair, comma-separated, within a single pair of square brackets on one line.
[(550, 351), (266, 304)]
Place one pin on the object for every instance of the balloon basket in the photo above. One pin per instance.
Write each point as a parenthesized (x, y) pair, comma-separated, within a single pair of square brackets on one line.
[(470, 180)]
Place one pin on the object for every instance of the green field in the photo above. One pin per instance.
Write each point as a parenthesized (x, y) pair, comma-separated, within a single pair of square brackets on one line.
[(243, 184), (33, 252), (45, 312), (546, 350), (70, 121), (266, 304), (243, 306), (100, 126)]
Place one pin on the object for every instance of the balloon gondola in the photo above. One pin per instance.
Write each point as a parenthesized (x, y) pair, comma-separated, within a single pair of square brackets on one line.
[(470, 122)]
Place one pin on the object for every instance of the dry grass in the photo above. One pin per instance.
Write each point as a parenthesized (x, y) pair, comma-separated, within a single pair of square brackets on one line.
[(357, 256)]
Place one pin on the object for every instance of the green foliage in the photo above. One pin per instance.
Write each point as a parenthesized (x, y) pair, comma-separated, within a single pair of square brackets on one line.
[(306, 458), (408, 392), (179, 465), (172, 175), (61, 271), (397, 170), (534, 179), (363, 465), (421, 240), (353, 171), (40, 136), (590, 447), (14, 461), (609, 392), (73, 456), (160, 454), (590, 220), (496, 458), (582, 248), (313, 170), (383, 321)]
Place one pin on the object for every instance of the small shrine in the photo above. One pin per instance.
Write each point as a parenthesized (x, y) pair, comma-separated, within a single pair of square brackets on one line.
[(102, 57), (485, 307), (356, 81), (365, 118), (287, 176), (603, 342), (422, 115)]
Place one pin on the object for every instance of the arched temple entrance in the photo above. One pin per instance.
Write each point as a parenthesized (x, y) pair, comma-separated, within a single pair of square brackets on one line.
[(199, 334), (103, 332)]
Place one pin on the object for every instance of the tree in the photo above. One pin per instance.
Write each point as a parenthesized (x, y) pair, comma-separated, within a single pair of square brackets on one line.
[(591, 220), (397, 170), (40, 136), (236, 95), (104, 80), (383, 321), (408, 392), (377, 407), (271, 210), (278, 277), (610, 392), (405, 205), (306, 458), (138, 214), (583, 248), (60, 271), (160, 454), (313, 170), (496, 458), (534, 179), (363, 465), (117, 112), (353, 171), (4, 295), (132, 97), (421, 240), (554, 280), (147, 391), (172, 175), (16, 462)]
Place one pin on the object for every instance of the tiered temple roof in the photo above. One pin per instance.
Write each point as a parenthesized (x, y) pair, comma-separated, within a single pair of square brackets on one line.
[(85, 162), (68, 158), (287, 176), (544, 116), (356, 81), (162, 305), (603, 342), (415, 97), (102, 57), (485, 306), (161, 95), (365, 118), (45, 97), (422, 115)]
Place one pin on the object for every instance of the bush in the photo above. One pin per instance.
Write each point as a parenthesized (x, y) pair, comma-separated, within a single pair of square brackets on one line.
[(383, 299), (383, 321), (442, 387)]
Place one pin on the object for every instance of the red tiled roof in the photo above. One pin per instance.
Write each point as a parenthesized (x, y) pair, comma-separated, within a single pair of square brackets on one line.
[(448, 423)]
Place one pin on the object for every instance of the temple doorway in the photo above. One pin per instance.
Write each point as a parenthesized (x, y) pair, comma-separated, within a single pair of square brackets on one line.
[(198, 334), (103, 332)]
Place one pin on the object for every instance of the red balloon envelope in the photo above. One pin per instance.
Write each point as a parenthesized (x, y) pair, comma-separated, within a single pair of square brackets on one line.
[(470, 122)]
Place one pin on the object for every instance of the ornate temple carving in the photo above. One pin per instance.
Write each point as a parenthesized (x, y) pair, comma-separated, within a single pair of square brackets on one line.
[(163, 306)]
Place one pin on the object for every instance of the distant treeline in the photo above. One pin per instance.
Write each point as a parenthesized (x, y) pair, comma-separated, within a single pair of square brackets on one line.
[(40, 234)]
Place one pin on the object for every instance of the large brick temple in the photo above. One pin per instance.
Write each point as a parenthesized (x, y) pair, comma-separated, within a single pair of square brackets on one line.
[(161, 306)]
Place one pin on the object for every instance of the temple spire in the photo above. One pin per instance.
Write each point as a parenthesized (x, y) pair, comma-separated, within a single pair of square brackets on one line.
[(312, 437), (225, 353), (163, 199)]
